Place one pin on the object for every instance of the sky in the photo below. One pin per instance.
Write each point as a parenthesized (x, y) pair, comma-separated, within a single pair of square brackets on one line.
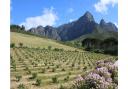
[(32, 13)]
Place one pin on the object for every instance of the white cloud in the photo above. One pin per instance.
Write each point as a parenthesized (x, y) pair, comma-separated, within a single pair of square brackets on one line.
[(49, 17), (70, 10), (102, 5), (71, 20), (116, 24)]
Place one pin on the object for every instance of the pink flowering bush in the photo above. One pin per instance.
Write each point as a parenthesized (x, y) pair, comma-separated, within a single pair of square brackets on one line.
[(104, 76)]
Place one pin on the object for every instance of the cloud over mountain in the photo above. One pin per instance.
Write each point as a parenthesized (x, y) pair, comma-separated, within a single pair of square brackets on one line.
[(48, 17)]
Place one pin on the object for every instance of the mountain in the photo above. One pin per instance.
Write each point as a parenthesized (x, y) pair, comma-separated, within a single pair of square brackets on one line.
[(85, 25), (47, 31)]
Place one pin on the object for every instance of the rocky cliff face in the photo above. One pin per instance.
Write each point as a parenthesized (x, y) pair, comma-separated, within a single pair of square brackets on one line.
[(47, 31)]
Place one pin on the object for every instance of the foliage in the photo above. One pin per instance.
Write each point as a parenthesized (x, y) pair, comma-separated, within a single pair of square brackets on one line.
[(107, 46), (63, 69), (43, 70), (21, 86), (49, 47), (103, 77), (58, 49), (20, 44), (53, 69), (85, 68), (12, 45), (62, 87), (34, 75), (38, 82), (54, 79), (66, 78), (18, 77)]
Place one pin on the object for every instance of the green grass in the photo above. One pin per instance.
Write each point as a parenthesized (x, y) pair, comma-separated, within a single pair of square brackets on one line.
[(37, 42)]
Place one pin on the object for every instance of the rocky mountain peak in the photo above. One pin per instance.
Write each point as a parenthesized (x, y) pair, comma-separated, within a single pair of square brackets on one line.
[(40, 27), (102, 22), (87, 17)]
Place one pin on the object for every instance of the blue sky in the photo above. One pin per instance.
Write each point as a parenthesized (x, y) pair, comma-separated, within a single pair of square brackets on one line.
[(32, 13)]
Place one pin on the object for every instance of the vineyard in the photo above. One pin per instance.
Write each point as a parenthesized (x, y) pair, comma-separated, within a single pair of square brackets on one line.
[(35, 68)]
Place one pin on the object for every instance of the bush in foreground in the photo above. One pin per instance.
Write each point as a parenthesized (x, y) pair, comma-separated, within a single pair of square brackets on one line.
[(105, 76)]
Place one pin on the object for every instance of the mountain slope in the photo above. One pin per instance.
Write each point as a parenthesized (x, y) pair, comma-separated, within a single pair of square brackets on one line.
[(86, 24), (47, 31), (100, 36), (33, 41), (83, 25)]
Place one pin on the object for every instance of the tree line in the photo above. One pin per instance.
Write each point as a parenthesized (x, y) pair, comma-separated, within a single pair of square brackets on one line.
[(107, 46)]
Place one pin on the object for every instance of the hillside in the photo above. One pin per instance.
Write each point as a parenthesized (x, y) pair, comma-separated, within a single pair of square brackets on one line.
[(100, 36), (33, 41)]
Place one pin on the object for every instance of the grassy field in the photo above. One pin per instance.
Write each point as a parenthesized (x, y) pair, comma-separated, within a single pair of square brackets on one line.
[(33, 41), (33, 68)]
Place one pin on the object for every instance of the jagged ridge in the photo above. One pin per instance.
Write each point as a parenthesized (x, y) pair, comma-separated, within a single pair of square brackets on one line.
[(70, 31)]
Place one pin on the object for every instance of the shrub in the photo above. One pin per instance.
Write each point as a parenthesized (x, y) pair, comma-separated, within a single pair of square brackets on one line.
[(14, 66), (105, 76), (62, 87), (49, 47), (20, 44), (73, 65), (57, 66), (28, 71), (18, 78), (63, 69), (53, 69), (66, 78), (12, 45), (57, 49), (85, 68), (69, 73), (34, 75), (43, 70), (21, 86), (54, 79), (38, 82), (48, 67)]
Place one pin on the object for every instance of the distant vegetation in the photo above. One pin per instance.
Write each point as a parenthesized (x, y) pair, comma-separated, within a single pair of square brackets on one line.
[(107, 46), (21, 29)]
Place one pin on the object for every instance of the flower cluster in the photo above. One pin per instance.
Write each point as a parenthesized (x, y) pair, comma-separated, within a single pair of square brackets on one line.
[(104, 76)]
